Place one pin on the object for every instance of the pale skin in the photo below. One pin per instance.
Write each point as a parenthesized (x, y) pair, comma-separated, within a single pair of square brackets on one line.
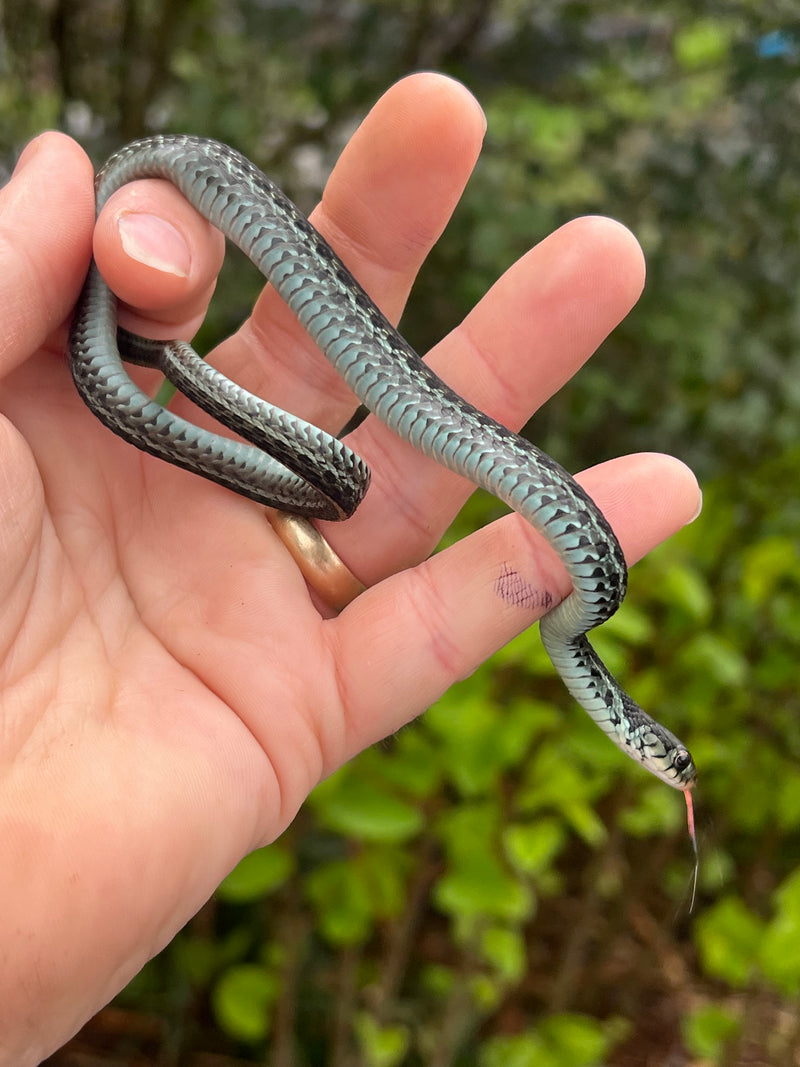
[(158, 717)]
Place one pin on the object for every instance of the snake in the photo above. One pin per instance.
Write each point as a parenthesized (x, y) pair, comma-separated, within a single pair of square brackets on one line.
[(281, 461)]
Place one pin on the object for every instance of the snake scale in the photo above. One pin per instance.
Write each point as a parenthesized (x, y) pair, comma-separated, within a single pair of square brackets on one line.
[(286, 463)]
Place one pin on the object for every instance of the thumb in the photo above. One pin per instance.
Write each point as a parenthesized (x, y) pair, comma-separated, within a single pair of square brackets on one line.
[(46, 222)]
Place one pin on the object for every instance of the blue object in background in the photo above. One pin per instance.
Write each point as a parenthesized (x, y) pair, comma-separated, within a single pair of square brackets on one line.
[(776, 43)]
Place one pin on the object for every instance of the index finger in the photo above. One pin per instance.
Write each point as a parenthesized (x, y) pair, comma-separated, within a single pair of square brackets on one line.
[(160, 257)]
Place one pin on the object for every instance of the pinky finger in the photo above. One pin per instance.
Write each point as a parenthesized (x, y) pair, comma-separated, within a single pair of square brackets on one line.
[(404, 642)]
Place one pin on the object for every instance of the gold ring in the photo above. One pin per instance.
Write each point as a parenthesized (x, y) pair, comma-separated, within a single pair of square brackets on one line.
[(318, 563)]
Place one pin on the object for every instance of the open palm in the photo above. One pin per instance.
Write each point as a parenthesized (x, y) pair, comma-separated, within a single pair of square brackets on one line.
[(171, 690)]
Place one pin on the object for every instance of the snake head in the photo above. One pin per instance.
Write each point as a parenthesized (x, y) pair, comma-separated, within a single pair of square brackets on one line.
[(653, 745), (668, 758), (684, 769)]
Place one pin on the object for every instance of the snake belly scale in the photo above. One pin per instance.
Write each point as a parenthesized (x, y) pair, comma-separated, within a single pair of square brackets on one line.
[(285, 463)]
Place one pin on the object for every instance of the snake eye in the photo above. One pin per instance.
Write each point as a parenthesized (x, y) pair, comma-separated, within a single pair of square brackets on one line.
[(682, 760)]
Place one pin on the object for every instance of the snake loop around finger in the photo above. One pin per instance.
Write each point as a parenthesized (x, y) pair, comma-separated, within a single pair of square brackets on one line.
[(310, 473)]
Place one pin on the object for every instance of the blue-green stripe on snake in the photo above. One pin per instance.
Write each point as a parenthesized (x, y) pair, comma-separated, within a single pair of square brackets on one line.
[(310, 472)]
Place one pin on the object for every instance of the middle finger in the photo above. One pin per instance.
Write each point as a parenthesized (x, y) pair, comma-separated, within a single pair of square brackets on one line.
[(385, 204)]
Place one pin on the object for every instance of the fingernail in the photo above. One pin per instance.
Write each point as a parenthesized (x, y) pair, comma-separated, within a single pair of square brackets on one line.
[(155, 242), (699, 507)]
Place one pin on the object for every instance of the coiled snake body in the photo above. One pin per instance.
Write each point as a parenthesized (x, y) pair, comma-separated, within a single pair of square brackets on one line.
[(313, 474)]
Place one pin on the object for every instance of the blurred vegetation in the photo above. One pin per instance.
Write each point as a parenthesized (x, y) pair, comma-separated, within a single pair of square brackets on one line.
[(496, 885)]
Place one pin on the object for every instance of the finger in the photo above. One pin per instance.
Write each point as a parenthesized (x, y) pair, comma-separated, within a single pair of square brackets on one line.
[(46, 218), (431, 626), (385, 204), (529, 334), (159, 256)]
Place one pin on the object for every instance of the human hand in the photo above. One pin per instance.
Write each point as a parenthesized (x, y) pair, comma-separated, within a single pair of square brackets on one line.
[(171, 691)]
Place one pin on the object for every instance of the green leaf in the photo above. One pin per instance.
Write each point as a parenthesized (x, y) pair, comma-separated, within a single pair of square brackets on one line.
[(350, 896), (362, 809), (565, 1040), (471, 730), (485, 991), (779, 953), (552, 133), (630, 625), (438, 980), (532, 847), (713, 655), (703, 43), (242, 1000), (567, 777), (479, 739), (707, 1029), (728, 938), (381, 1046), (787, 896), (197, 958), (657, 812), (476, 884), (383, 871), (575, 1040), (342, 902), (586, 823), (518, 1050), (483, 889), (414, 764), (766, 565), (469, 830), (504, 948), (258, 874), (684, 588), (780, 947)]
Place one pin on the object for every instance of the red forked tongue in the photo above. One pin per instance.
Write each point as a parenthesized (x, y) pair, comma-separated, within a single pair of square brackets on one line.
[(690, 823)]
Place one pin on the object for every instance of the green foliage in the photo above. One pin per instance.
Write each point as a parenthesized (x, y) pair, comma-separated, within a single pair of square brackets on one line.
[(365, 810), (779, 951), (561, 1041), (708, 1030), (704, 43), (380, 1046), (728, 936), (258, 874), (350, 896), (477, 884), (445, 857), (242, 1000)]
